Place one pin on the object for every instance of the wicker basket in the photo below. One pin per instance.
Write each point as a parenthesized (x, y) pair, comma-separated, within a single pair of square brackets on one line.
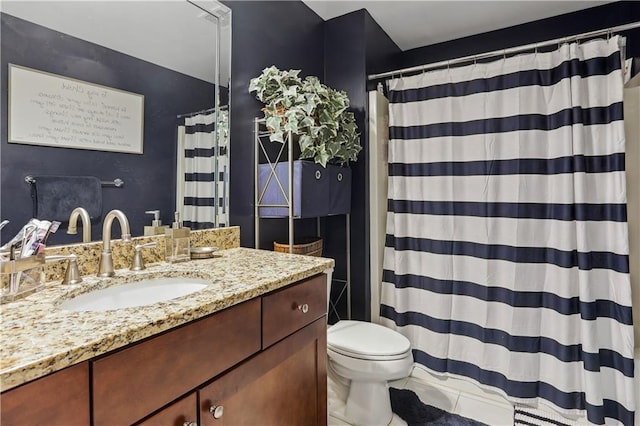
[(309, 246)]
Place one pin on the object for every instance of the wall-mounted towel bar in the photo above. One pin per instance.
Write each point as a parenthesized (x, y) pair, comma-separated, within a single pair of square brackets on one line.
[(117, 182)]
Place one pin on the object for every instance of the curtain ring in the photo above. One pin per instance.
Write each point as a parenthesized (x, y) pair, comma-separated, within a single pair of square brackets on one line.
[(561, 42)]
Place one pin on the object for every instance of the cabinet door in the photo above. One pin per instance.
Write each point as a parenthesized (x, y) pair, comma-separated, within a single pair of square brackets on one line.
[(180, 413), (283, 385), (130, 384), (61, 398)]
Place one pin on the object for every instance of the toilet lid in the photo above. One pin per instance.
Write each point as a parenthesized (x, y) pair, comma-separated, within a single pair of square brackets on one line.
[(363, 339)]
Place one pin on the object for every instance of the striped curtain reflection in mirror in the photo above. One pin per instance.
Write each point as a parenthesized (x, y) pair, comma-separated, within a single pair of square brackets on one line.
[(506, 258), (205, 173)]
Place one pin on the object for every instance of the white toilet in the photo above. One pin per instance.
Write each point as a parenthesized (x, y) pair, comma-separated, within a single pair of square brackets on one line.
[(367, 356)]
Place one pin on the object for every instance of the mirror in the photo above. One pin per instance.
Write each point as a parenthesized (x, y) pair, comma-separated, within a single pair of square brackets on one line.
[(175, 54)]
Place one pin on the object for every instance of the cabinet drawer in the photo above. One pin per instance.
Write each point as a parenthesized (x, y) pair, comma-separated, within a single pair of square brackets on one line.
[(289, 309), (136, 381), (61, 398)]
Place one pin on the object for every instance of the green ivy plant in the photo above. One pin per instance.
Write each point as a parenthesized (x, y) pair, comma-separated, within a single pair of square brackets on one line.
[(317, 114)]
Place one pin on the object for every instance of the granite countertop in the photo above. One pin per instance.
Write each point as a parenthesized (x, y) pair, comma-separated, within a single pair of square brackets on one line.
[(38, 338)]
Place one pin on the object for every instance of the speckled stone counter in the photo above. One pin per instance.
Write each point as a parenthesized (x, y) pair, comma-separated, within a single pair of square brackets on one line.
[(39, 338), (89, 253)]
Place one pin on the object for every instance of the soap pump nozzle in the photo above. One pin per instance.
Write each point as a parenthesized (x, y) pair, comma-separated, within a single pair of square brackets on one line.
[(156, 217), (176, 222)]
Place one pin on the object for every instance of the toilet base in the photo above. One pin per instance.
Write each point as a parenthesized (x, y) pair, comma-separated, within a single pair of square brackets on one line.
[(368, 404)]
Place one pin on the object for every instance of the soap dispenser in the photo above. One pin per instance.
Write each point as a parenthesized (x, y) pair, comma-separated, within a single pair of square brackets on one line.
[(156, 227), (177, 242)]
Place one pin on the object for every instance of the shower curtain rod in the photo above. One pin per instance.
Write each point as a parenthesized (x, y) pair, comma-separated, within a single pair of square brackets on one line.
[(202, 111), (502, 52)]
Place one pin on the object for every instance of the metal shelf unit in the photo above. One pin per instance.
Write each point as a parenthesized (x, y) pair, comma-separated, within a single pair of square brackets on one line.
[(261, 136)]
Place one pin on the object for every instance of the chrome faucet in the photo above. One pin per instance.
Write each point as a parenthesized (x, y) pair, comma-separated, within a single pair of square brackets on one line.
[(86, 223), (105, 269)]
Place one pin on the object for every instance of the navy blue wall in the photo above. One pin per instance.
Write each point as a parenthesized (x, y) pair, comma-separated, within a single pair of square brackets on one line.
[(290, 35), (355, 46), (344, 64), (285, 34), (595, 18), (149, 178)]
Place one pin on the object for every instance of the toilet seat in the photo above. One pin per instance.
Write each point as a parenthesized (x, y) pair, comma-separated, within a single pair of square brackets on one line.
[(367, 341)]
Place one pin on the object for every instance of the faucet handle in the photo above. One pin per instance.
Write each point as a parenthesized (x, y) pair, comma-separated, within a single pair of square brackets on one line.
[(138, 261), (72, 274)]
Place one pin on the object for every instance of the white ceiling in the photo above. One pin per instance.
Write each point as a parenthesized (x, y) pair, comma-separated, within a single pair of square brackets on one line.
[(419, 23), (168, 32)]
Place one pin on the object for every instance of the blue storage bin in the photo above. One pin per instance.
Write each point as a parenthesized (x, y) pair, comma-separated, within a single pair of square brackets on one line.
[(339, 189), (317, 191)]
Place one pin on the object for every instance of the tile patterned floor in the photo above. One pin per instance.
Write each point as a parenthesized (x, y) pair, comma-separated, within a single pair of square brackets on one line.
[(465, 399)]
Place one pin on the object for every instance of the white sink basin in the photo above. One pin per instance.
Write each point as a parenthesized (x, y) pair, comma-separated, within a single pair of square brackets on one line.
[(139, 293)]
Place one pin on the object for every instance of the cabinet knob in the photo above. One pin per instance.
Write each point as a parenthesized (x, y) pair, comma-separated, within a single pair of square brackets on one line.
[(189, 424), (304, 308), (216, 411)]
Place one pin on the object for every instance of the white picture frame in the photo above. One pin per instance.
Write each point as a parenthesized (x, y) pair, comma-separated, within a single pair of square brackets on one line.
[(52, 110)]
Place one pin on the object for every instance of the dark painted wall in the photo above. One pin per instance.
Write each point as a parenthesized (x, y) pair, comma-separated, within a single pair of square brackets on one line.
[(344, 65), (355, 46), (285, 34), (382, 53), (149, 178), (595, 18), (289, 35), (341, 52)]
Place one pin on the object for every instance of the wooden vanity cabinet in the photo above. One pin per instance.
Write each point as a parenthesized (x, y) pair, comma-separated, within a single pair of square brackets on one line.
[(134, 382), (283, 385), (286, 383), (61, 398), (261, 362)]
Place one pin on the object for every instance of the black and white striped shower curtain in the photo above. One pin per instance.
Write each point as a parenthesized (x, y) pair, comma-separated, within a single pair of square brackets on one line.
[(205, 193), (506, 258)]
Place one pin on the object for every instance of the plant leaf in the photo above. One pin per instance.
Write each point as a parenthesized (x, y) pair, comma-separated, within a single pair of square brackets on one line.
[(305, 107)]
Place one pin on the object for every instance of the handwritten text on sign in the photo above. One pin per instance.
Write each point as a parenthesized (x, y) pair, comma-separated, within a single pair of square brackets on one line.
[(47, 109)]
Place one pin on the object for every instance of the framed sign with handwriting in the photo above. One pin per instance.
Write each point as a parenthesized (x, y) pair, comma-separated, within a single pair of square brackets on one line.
[(52, 110)]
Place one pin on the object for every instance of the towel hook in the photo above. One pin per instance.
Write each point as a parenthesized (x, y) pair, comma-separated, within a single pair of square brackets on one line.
[(117, 182)]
